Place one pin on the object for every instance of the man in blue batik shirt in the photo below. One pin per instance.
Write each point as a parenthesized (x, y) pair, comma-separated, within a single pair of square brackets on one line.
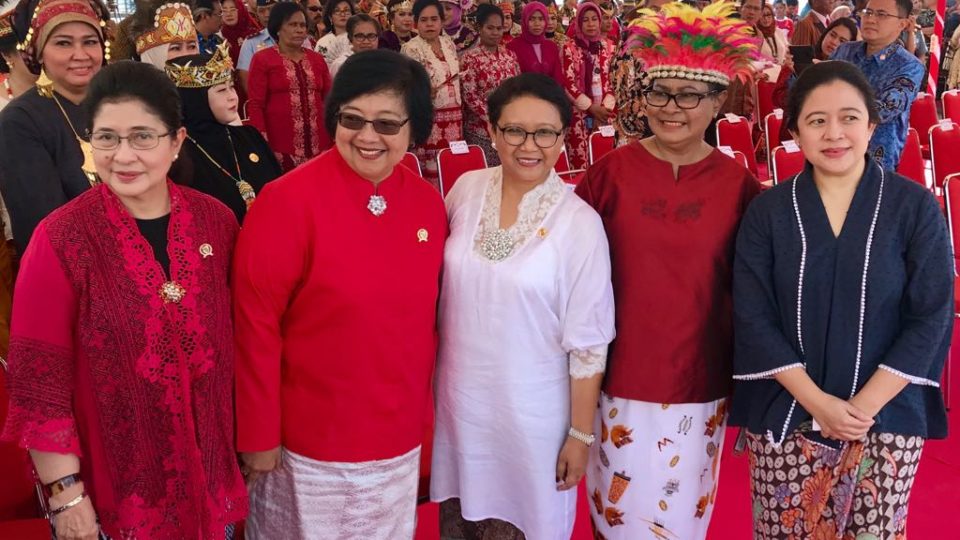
[(894, 73)]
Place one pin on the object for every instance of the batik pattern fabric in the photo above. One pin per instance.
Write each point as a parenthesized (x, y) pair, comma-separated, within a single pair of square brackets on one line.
[(483, 71), (453, 526), (896, 76), (573, 58), (444, 72), (802, 489), (626, 80), (653, 472), (306, 498)]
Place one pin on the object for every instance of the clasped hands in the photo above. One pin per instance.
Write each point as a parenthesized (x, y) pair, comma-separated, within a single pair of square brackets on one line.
[(843, 420)]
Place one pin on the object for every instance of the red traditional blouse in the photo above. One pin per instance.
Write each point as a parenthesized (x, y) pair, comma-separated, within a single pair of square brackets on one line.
[(336, 313), (286, 104), (139, 388), (671, 247)]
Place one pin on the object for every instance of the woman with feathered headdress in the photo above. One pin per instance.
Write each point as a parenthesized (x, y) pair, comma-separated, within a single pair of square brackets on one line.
[(671, 205)]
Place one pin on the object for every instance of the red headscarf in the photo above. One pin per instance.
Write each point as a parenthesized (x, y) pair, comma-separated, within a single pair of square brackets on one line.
[(246, 26), (590, 45), (528, 11)]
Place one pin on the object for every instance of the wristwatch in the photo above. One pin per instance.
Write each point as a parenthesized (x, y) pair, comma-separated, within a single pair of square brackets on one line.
[(585, 438)]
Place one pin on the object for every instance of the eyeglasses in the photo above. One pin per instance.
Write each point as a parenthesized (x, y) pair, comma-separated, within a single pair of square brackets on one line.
[(356, 122), (684, 100), (365, 37), (138, 140), (882, 15), (543, 137)]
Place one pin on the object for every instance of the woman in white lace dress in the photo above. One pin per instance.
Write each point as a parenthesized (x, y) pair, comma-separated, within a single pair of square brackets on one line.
[(526, 314)]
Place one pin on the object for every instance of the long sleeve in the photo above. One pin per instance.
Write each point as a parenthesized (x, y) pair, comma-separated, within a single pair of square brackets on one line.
[(473, 97), (31, 181), (268, 266), (571, 78), (926, 311), (896, 97), (41, 357), (761, 347), (258, 88), (804, 33)]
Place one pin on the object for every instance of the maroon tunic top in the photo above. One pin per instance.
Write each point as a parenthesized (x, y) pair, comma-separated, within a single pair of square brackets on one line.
[(671, 246)]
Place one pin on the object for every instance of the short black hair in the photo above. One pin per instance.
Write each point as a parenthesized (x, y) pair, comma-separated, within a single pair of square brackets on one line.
[(203, 7), (823, 73), (330, 6), (846, 22), (535, 85), (383, 70), (128, 80), (485, 11), (280, 14), (420, 5), (904, 7), (353, 21)]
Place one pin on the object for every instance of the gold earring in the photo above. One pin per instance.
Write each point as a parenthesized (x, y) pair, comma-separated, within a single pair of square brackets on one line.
[(44, 84)]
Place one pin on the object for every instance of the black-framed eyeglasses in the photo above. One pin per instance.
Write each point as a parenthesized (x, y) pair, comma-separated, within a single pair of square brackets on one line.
[(684, 100), (365, 37), (138, 140), (382, 126), (543, 137), (882, 15)]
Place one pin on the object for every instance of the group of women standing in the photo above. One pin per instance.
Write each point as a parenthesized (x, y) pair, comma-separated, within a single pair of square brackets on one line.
[(586, 334)]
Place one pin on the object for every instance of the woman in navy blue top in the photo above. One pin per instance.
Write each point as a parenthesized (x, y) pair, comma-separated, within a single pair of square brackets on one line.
[(843, 299)]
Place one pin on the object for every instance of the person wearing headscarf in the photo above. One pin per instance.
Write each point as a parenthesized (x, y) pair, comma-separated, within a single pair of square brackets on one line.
[(662, 414), (44, 159), (485, 67), (238, 25), (171, 35), (229, 162), (400, 30), (455, 27), (773, 45), (536, 53), (586, 71)]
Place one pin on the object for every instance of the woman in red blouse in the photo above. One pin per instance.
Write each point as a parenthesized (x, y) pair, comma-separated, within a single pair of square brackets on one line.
[(288, 85)]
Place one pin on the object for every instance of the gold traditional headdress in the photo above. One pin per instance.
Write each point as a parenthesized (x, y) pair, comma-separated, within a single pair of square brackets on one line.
[(406, 5), (173, 22), (217, 70), (6, 17)]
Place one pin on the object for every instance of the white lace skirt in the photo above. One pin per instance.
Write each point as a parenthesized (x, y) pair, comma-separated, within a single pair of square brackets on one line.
[(309, 499)]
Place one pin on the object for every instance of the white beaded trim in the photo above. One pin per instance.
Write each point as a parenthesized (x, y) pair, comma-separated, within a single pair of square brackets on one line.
[(913, 380), (863, 298), (765, 374)]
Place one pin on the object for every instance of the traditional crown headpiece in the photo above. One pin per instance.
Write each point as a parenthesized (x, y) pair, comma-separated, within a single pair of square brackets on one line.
[(406, 5), (682, 42), (6, 17), (48, 14), (218, 69), (172, 22), (506, 7)]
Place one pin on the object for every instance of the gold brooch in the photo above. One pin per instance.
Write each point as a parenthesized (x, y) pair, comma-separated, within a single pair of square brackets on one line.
[(542, 233), (206, 250), (422, 235), (254, 158), (171, 291)]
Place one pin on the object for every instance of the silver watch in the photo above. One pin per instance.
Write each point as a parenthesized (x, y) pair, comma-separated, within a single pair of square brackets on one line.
[(585, 438)]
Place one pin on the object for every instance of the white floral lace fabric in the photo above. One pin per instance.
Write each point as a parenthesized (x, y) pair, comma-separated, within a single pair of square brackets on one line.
[(585, 363), (496, 244)]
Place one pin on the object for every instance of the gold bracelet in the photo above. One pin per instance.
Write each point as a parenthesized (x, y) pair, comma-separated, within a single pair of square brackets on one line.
[(77, 500)]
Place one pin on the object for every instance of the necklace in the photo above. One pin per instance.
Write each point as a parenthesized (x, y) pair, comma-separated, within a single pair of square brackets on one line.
[(247, 192), (88, 167), (377, 205)]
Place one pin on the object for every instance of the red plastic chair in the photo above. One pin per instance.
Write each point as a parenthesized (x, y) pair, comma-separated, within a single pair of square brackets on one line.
[(923, 116), (944, 154), (563, 162), (573, 176), (737, 135), (741, 159), (599, 145), (411, 162), (452, 166), (951, 105), (911, 159), (765, 104), (785, 164), (951, 190), (771, 130)]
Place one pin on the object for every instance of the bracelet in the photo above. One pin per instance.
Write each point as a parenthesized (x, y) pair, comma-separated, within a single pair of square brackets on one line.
[(58, 486), (77, 500), (585, 438)]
